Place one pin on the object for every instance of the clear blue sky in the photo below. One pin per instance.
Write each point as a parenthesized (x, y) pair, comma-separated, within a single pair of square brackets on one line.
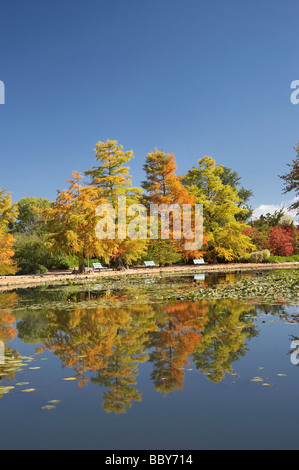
[(190, 77)]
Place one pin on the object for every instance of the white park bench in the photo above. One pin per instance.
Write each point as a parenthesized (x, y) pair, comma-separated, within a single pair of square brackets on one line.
[(150, 264), (98, 266), (199, 261)]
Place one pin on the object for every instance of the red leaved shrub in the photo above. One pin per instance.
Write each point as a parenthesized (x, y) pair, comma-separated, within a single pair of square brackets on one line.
[(280, 241)]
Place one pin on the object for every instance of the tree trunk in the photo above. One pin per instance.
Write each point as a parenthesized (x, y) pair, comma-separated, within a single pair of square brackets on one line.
[(119, 264), (81, 264)]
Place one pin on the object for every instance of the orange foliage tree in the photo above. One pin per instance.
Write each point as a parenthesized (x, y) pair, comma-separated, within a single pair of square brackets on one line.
[(71, 221), (8, 213), (164, 187)]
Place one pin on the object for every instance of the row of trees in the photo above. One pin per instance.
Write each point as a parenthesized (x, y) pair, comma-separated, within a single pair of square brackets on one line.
[(36, 234)]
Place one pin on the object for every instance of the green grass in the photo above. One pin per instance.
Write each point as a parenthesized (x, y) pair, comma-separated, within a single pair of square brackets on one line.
[(283, 259)]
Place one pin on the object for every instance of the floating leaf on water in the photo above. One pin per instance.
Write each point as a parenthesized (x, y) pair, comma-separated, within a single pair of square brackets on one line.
[(267, 385), (69, 378), (48, 407), (281, 375), (22, 383), (4, 390), (27, 390), (257, 379), (34, 368), (54, 402)]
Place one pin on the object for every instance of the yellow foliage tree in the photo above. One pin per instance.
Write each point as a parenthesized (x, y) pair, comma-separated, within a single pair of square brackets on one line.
[(71, 221), (111, 176), (8, 213), (221, 204)]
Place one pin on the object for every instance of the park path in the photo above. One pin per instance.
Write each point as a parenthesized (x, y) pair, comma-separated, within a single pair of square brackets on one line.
[(58, 277)]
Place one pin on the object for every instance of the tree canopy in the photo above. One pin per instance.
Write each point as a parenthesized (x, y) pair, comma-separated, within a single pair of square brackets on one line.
[(221, 206), (8, 214), (37, 234), (291, 180)]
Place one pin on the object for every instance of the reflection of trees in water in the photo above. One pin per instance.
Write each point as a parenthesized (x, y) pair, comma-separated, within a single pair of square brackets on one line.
[(106, 344), (224, 338), (10, 360), (108, 341), (128, 349), (8, 301), (284, 311), (179, 333), (212, 334)]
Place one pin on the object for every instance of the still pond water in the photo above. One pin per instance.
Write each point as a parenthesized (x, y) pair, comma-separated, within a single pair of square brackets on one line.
[(117, 365)]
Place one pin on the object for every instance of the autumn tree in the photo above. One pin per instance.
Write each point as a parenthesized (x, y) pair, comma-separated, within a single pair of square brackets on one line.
[(163, 252), (280, 241), (8, 213), (31, 239), (71, 221), (111, 176), (7, 263), (221, 206), (165, 189), (259, 237)]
